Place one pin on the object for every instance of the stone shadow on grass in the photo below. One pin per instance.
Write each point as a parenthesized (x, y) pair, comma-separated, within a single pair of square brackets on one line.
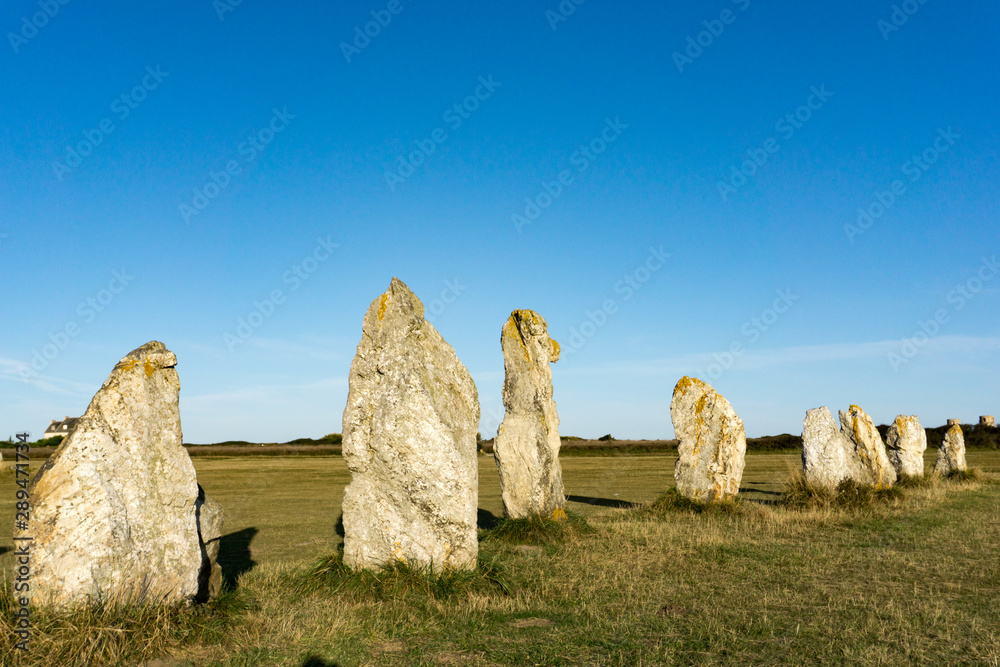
[(603, 502), (316, 661), (4, 550), (486, 520), (234, 556), (748, 487)]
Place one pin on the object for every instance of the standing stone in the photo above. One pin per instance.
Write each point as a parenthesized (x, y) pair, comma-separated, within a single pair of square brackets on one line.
[(954, 422), (713, 444), (869, 464), (826, 451), (114, 508), (210, 521), (410, 443), (905, 443), (987, 420), (526, 448), (951, 453)]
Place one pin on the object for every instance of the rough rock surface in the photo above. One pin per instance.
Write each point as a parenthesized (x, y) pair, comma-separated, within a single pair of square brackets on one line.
[(713, 445), (905, 443), (951, 453), (987, 420), (869, 464), (410, 443), (526, 448), (826, 452), (113, 508)]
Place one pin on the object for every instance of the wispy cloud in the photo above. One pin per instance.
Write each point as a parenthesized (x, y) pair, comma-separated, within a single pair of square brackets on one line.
[(790, 356), (12, 370), (272, 393)]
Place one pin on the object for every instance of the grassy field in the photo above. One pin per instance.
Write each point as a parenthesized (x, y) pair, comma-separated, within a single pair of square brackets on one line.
[(915, 580)]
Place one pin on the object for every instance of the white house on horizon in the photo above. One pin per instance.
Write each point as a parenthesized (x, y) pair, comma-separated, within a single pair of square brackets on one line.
[(61, 427)]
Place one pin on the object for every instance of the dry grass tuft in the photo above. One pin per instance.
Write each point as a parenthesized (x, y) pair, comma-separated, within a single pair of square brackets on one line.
[(537, 530), (849, 495), (399, 580), (672, 502)]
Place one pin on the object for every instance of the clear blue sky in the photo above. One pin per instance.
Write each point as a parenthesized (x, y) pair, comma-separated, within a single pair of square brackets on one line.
[(112, 116)]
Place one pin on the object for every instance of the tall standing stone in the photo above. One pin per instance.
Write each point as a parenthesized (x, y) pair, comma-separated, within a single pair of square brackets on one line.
[(870, 464), (526, 448), (713, 445), (114, 508), (951, 453), (826, 451), (905, 443), (410, 443)]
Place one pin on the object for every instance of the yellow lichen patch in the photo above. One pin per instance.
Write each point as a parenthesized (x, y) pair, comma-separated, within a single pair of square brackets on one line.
[(558, 514), (684, 384), (512, 329), (148, 367), (383, 304), (556, 350), (130, 364)]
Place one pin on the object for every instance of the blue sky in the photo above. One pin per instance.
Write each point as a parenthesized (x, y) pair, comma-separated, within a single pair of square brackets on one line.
[(796, 203)]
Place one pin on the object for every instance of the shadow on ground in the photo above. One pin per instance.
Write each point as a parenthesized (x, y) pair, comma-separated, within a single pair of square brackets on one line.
[(486, 520), (603, 502), (316, 661), (234, 555)]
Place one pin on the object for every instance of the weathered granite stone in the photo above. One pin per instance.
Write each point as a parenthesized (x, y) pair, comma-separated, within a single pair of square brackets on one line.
[(987, 420), (712, 449), (954, 422), (526, 448), (410, 443), (113, 509), (869, 464), (951, 453), (905, 444), (826, 451)]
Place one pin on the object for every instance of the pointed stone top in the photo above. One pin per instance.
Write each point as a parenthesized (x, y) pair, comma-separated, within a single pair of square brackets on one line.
[(396, 303)]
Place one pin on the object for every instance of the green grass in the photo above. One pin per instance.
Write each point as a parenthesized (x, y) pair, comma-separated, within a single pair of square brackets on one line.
[(639, 577)]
